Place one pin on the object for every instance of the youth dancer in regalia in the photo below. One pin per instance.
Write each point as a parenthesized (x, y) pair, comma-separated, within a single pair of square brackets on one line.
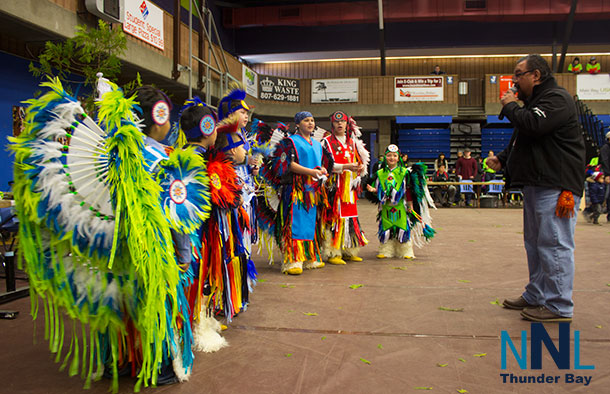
[(198, 124), (97, 247), (341, 232), (299, 165), (224, 271), (237, 146), (403, 199)]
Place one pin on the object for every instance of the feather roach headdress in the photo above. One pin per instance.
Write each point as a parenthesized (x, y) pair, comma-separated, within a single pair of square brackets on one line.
[(232, 101)]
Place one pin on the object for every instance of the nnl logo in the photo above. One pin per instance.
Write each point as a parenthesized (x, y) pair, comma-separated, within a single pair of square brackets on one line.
[(540, 336)]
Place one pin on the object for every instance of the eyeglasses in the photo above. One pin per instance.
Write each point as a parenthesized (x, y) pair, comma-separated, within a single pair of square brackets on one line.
[(519, 75)]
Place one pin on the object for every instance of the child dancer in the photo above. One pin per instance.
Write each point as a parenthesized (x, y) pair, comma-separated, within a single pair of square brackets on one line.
[(298, 165), (403, 202), (236, 146), (341, 232)]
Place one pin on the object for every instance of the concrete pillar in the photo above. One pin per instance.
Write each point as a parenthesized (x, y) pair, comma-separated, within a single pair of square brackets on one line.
[(385, 129)]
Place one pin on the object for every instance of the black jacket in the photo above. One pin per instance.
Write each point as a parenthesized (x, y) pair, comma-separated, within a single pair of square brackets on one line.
[(547, 147), (604, 158)]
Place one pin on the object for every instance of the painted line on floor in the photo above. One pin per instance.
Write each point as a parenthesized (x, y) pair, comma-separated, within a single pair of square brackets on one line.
[(388, 334)]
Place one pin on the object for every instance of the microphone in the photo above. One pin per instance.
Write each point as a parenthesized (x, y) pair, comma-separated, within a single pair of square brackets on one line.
[(514, 90)]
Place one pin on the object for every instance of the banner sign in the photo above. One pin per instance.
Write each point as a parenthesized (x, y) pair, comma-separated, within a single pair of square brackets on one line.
[(593, 87), (344, 90), (279, 89), (144, 20), (506, 82), (250, 81), (418, 89)]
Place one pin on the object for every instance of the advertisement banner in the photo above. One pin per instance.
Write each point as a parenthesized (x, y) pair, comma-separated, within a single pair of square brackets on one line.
[(250, 81), (279, 89), (344, 90), (506, 82), (144, 20), (593, 87), (418, 89)]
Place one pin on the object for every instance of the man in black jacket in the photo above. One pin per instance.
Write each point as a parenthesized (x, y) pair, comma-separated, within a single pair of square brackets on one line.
[(545, 156), (604, 159)]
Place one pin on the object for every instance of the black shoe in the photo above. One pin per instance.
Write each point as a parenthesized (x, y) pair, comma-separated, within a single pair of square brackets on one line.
[(167, 375), (124, 370)]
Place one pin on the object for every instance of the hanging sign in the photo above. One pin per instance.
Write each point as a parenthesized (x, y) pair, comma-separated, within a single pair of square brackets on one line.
[(418, 89), (144, 20), (506, 82), (593, 87), (250, 81), (279, 89), (343, 90)]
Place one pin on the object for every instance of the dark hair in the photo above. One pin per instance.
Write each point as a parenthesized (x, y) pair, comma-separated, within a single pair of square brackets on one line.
[(221, 141), (191, 117), (576, 58), (442, 154), (147, 96), (537, 62)]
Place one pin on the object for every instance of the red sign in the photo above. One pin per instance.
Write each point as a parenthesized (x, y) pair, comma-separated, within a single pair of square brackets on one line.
[(506, 82)]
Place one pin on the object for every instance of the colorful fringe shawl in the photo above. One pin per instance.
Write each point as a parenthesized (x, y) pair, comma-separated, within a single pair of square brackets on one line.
[(292, 189), (222, 257)]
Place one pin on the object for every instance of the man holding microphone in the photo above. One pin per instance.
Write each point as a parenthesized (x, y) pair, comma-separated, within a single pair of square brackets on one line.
[(545, 156)]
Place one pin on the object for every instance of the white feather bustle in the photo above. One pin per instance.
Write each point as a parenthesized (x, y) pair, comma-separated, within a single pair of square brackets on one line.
[(53, 183), (319, 133), (206, 337)]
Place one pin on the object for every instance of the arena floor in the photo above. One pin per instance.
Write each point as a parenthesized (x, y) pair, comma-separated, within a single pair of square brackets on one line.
[(394, 334)]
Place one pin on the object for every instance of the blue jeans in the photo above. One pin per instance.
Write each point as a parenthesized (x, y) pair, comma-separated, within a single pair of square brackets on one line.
[(549, 243)]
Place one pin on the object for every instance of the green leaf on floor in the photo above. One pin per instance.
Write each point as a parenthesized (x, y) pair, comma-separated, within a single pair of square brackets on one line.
[(497, 225), (444, 308), (598, 326), (607, 284), (323, 338), (288, 286), (462, 391), (496, 302), (423, 388), (379, 346), (288, 354), (464, 280), (290, 310), (355, 286), (399, 268), (461, 359), (365, 361), (480, 355), (441, 365), (310, 313), (261, 280), (519, 232), (471, 240)]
